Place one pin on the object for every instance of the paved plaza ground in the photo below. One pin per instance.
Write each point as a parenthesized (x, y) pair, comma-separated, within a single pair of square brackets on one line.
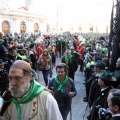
[(78, 106)]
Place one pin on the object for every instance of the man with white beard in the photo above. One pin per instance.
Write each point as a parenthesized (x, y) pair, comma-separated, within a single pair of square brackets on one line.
[(27, 98)]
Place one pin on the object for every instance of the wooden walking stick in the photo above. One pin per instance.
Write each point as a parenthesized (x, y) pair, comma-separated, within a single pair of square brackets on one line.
[(61, 51), (71, 109), (70, 102)]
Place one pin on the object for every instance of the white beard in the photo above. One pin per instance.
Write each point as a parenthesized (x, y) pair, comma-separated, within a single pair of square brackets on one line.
[(19, 92)]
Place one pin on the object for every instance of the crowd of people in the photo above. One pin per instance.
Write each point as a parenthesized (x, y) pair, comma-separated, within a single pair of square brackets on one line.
[(21, 56)]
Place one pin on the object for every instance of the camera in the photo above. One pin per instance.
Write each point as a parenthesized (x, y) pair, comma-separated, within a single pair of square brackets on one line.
[(104, 113)]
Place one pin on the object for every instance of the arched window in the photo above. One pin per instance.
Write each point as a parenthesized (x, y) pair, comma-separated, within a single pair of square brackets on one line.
[(36, 28), (23, 27), (5, 27)]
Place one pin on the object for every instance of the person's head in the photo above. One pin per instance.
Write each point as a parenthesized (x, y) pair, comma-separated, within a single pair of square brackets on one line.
[(118, 63), (100, 65), (31, 46), (11, 51), (20, 75), (114, 101), (82, 43), (61, 70), (67, 52), (49, 48), (72, 49), (105, 79), (21, 50), (40, 43), (45, 52)]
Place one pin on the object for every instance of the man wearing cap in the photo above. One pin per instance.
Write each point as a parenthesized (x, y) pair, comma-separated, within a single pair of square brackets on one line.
[(3, 78), (21, 54), (99, 66), (27, 99), (104, 82)]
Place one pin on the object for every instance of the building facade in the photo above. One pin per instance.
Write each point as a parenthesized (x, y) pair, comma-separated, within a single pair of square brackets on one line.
[(21, 21), (58, 17)]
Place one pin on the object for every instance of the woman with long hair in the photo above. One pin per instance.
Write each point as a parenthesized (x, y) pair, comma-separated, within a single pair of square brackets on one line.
[(45, 62)]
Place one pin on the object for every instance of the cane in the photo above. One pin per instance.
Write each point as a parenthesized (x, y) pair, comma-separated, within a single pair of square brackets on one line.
[(61, 51), (71, 109), (70, 102)]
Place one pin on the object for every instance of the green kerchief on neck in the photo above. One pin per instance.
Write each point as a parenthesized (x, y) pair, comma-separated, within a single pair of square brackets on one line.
[(34, 91), (67, 59), (61, 84)]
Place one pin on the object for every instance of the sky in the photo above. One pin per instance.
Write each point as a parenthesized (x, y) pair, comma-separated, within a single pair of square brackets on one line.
[(69, 11), (73, 7)]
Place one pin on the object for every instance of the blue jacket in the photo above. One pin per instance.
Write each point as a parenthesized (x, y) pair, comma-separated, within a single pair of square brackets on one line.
[(63, 99)]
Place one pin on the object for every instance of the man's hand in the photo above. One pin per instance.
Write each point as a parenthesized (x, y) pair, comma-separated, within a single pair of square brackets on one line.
[(70, 94)]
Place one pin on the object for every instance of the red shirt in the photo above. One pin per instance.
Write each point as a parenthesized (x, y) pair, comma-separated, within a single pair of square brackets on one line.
[(39, 50)]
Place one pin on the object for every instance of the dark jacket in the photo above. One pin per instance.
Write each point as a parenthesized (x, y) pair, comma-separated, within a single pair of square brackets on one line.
[(101, 99), (93, 91), (2, 52), (63, 99), (9, 61), (116, 74), (4, 81), (115, 118), (73, 65)]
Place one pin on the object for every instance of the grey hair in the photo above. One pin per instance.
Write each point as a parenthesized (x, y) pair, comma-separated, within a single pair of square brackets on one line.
[(26, 73)]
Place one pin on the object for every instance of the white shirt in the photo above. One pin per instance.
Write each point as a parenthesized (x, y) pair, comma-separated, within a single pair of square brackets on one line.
[(114, 115)]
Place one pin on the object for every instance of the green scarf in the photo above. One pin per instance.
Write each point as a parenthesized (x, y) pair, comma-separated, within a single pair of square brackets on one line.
[(35, 90), (23, 57), (67, 59), (74, 52), (1, 41), (50, 53), (62, 41), (61, 84)]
